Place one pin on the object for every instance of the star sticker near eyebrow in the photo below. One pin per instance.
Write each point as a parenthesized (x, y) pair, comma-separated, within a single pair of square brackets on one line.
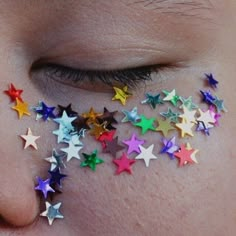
[(21, 108), (45, 111), (188, 103), (193, 155), (133, 144), (169, 147), (30, 139), (14, 93), (98, 129), (131, 116), (44, 186), (72, 151), (219, 104), (56, 177), (121, 94), (52, 212), (185, 128), (146, 154), (188, 116), (172, 116), (184, 155), (145, 124), (152, 100), (91, 116), (124, 164), (68, 111), (211, 81), (164, 126), (112, 147), (171, 97), (56, 160), (91, 160)]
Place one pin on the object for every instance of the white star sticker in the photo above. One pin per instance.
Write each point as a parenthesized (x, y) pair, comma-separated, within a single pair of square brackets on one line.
[(30, 139), (72, 151)]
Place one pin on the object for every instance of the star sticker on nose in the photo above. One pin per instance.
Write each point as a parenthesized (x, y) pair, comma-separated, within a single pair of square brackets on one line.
[(121, 94), (124, 164), (145, 124), (52, 212), (184, 155), (30, 139), (152, 100), (21, 108), (171, 97), (14, 93), (44, 186)]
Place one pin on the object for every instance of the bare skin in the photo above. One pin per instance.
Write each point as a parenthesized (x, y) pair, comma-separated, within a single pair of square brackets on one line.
[(189, 39)]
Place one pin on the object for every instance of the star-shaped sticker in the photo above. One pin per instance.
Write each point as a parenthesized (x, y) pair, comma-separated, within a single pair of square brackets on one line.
[(121, 94), (52, 212), (91, 160), (56, 160), (72, 151), (193, 155), (131, 116), (45, 111), (65, 121), (169, 147), (98, 129), (63, 134), (145, 124), (80, 123), (146, 154), (124, 164), (108, 117), (185, 128), (207, 97), (215, 115), (68, 111), (164, 126), (170, 115), (106, 136), (133, 144), (56, 177), (184, 155), (188, 103), (219, 104), (30, 139), (206, 118), (44, 186), (14, 93), (91, 116), (112, 147), (21, 108), (171, 97), (188, 115), (152, 100), (211, 81)]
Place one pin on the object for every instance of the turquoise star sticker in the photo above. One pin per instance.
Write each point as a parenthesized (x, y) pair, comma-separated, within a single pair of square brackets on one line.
[(152, 100), (131, 116), (172, 116), (188, 103), (219, 103)]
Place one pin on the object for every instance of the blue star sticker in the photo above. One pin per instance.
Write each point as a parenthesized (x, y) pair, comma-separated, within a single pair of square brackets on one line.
[(207, 97), (44, 186), (56, 177), (211, 81), (45, 111)]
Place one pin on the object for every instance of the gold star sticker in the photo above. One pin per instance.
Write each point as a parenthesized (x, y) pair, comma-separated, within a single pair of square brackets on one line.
[(188, 116), (21, 108), (121, 94), (30, 139), (206, 118), (98, 129), (164, 126), (91, 116), (193, 155), (186, 128)]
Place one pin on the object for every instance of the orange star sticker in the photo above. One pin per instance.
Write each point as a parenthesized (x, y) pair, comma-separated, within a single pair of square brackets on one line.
[(30, 139), (21, 108), (91, 116), (164, 126), (184, 155), (121, 94), (98, 129)]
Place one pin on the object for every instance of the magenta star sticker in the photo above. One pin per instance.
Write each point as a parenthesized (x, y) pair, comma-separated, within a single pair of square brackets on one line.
[(124, 164), (44, 186), (133, 144)]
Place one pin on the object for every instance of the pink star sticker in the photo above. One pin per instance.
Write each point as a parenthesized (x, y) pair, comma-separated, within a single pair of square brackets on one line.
[(133, 144), (184, 155), (124, 164)]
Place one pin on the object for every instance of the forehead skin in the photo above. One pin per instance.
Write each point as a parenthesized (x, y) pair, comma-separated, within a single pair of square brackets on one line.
[(162, 199)]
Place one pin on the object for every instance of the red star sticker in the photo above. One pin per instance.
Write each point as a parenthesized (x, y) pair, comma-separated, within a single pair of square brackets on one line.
[(184, 155), (14, 93), (124, 164), (106, 136)]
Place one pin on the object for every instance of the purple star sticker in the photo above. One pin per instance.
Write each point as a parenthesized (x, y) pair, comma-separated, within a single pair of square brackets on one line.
[(202, 127), (133, 144), (211, 81), (169, 147), (44, 186)]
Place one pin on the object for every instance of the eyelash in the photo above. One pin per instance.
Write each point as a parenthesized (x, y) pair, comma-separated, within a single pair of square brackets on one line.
[(130, 77)]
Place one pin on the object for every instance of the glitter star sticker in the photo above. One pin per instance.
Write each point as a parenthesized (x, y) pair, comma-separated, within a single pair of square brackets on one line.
[(207, 97), (44, 186), (219, 104), (152, 100), (52, 212), (72, 151), (131, 116), (133, 144), (14, 93), (21, 108), (91, 160), (185, 128), (145, 124), (172, 116), (98, 129), (188, 103), (164, 126), (112, 147), (211, 80), (67, 109), (146, 154), (56, 177), (30, 139), (56, 160), (108, 116), (121, 94), (169, 147), (106, 136), (184, 155), (171, 97), (124, 164), (91, 116), (45, 111)]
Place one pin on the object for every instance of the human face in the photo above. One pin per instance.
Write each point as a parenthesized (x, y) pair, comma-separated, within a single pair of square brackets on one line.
[(185, 40)]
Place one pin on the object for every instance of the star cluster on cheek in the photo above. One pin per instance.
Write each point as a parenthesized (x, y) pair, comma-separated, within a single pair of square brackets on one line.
[(73, 127)]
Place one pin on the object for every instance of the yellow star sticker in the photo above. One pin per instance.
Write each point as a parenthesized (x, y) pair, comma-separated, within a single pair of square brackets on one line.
[(121, 94), (206, 118), (21, 108), (30, 139), (188, 116), (186, 128), (91, 116), (98, 129), (193, 155), (164, 126)]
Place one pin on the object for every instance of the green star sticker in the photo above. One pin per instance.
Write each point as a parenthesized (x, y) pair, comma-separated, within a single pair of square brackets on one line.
[(91, 160), (152, 100), (171, 97), (164, 126), (188, 103), (219, 103), (172, 116), (145, 124)]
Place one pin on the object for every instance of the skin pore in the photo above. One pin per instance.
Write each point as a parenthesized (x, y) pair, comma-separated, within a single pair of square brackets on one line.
[(186, 39)]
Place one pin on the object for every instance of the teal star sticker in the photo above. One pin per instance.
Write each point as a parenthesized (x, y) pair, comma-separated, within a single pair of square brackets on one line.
[(188, 103), (219, 103), (152, 100), (146, 124), (131, 116), (171, 97), (172, 116), (91, 160)]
